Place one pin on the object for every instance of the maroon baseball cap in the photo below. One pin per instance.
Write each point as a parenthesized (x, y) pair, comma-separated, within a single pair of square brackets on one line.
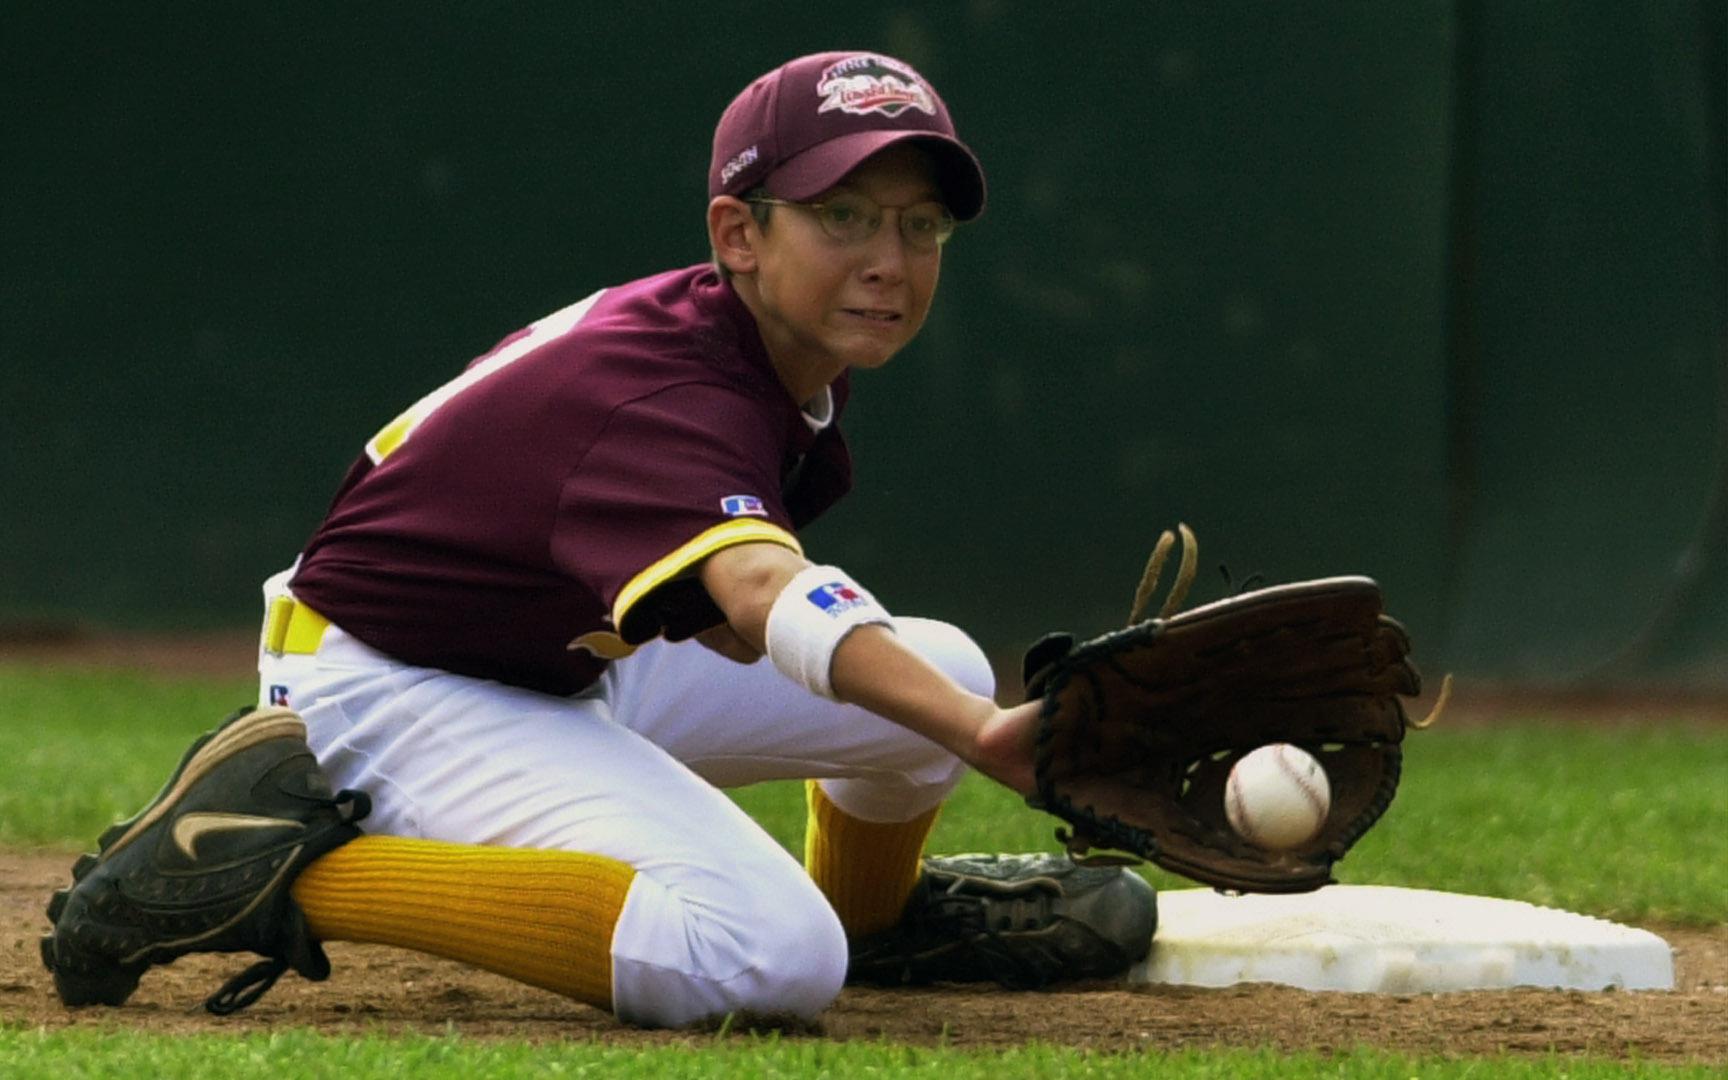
[(803, 126)]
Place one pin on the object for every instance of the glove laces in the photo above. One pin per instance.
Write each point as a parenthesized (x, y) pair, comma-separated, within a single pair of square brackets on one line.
[(1185, 571)]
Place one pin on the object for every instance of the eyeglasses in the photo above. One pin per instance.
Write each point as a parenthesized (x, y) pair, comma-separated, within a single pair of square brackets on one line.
[(853, 219)]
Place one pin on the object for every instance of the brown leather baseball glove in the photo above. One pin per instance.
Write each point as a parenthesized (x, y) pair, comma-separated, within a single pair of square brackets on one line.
[(1139, 728)]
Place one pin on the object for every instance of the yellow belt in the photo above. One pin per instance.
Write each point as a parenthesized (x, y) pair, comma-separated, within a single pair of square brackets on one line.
[(292, 628)]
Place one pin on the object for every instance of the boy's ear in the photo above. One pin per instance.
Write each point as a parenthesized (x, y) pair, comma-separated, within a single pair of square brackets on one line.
[(732, 234)]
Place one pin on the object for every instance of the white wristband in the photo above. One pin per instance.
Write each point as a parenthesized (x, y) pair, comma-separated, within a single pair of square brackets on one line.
[(811, 617)]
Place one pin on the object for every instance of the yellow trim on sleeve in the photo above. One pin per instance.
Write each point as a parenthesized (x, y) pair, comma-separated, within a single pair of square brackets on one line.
[(387, 440), (724, 535)]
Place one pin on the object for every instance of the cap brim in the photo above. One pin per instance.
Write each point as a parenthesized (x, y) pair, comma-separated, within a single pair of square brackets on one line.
[(819, 168)]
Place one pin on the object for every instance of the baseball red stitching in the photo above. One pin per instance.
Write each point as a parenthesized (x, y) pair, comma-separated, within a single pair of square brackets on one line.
[(1303, 782)]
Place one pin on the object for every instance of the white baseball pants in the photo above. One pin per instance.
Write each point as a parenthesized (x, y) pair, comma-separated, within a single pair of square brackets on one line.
[(719, 916)]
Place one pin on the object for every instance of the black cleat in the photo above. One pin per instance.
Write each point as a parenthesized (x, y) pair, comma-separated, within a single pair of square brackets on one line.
[(1024, 921), (205, 867)]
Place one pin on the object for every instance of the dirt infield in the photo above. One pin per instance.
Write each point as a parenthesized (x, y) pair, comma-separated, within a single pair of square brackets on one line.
[(226, 654), (376, 989)]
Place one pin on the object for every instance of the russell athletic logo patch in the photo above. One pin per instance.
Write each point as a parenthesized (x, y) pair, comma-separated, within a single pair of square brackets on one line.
[(837, 598), (868, 83), (743, 506)]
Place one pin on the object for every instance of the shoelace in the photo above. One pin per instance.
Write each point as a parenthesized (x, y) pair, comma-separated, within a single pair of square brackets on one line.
[(254, 982), (246, 987), (962, 916)]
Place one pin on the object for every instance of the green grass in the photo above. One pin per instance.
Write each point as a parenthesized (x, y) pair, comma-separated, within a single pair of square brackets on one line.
[(29, 1054), (1614, 822), (1608, 821), (87, 747)]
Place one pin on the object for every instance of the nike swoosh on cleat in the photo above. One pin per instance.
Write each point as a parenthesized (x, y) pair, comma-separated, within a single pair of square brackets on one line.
[(190, 827)]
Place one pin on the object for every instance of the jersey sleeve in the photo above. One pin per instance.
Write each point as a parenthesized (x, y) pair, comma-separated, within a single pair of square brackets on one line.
[(673, 478)]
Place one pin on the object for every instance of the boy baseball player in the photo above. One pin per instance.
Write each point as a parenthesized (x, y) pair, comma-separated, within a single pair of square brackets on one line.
[(560, 602)]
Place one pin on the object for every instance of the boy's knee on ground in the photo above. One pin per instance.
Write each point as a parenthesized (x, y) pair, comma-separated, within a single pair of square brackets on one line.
[(680, 959)]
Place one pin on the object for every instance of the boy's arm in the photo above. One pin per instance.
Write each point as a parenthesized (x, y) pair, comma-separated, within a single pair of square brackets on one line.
[(872, 669)]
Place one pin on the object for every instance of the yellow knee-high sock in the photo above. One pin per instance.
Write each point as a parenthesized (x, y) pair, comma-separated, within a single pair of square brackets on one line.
[(866, 869), (541, 917)]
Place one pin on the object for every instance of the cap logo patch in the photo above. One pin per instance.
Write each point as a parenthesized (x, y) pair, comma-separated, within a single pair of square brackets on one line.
[(740, 161), (868, 83), (742, 505)]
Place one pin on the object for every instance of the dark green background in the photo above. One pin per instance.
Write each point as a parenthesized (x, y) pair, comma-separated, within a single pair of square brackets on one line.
[(1430, 291)]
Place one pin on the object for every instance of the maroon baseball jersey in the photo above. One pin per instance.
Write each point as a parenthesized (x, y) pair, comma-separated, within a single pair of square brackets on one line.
[(545, 511)]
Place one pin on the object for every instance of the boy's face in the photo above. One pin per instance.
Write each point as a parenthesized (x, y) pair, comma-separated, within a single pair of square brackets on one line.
[(841, 305)]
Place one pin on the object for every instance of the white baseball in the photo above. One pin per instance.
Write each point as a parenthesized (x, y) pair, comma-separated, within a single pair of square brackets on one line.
[(1277, 797)]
